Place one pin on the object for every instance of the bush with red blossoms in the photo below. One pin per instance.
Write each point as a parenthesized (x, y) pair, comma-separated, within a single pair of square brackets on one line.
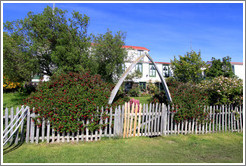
[(188, 100), (67, 99)]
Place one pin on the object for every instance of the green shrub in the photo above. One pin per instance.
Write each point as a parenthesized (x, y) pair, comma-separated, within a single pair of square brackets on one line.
[(134, 92), (188, 99), (69, 97), (223, 90), (152, 88)]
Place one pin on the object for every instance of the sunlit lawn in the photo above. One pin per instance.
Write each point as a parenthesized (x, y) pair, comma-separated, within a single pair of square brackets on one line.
[(14, 99), (142, 100), (208, 148)]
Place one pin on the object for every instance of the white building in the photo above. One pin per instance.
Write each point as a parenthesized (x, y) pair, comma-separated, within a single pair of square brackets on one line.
[(148, 70)]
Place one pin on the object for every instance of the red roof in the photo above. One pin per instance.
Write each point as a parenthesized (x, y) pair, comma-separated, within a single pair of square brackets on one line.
[(237, 63), (165, 63), (233, 63), (136, 48), (133, 47)]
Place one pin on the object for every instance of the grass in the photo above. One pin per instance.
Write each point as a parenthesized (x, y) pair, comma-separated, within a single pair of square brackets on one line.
[(142, 100), (13, 99), (209, 148)]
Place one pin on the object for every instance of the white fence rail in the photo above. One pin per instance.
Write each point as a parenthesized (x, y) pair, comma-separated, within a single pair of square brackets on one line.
[(124, 121)]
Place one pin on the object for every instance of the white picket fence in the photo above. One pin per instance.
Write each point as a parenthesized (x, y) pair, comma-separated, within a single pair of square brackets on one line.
[(127, 121)]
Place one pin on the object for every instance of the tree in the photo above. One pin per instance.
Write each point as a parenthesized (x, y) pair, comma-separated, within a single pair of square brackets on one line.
[(56, 42), (220, 68), (109, 54), (18, 63), (189, 67)]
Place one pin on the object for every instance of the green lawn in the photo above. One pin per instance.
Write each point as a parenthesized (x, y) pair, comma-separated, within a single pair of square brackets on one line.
[(142, 100), (14, 99), (209, 148)]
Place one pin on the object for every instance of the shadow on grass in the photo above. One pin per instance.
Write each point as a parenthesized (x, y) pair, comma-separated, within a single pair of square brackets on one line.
[(13, 146)]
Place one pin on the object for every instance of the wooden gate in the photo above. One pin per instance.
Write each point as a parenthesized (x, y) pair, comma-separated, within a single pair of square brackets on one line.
[(146, 121)]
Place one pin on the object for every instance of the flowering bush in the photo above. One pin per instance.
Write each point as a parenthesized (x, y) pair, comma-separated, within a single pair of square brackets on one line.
[(188, 100), (223, 90), (69, 97), (9, 85), (134, 101)]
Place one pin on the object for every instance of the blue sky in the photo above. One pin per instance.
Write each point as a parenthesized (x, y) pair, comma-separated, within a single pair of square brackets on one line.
[(167, 29)]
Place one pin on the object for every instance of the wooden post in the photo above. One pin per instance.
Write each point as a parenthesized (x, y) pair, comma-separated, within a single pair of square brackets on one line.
[(110, 122), (237, 120), (223, 114), (37, 132), (143, 115), (124, 133), (135, 120), (87, 131), (101, 123), (150, 112), (229, 117), (32, 128), (146, 120), (241, 123), (213, 117), (155, 120), (17, 132), (68, 136), (139, 118), (11, 119), (28, 125), (152, 120), (217, 118), (106, 121), (164, 109), (171, 119), (48, 131), (193, 125), (158, 120), (128, 120), (168, 119), (6, 119), (225, 118), (210, 118), (43, 129), (63, 136), (130, 133), (115, 122)]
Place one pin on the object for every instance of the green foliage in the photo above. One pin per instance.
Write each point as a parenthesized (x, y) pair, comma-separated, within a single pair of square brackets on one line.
[(56, 42), (69, 97), (134, 92), (223, 90), (152, 88), (188, 67), (135, 75), (188, 100), (220, 68), (18, 63), (109, 55)]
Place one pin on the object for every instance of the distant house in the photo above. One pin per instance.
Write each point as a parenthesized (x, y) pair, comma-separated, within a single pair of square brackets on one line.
[(238, 69)]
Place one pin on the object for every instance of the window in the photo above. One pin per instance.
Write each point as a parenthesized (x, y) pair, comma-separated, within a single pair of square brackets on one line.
[(142, 86), (140, 52), (233, 68), (139, 67), (165, 70), (152, 71)]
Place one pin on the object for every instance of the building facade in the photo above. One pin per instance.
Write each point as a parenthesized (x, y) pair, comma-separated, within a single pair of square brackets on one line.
[(149, 73)]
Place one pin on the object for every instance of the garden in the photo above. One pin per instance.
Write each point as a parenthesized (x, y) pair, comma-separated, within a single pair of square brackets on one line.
[(74, 102)]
